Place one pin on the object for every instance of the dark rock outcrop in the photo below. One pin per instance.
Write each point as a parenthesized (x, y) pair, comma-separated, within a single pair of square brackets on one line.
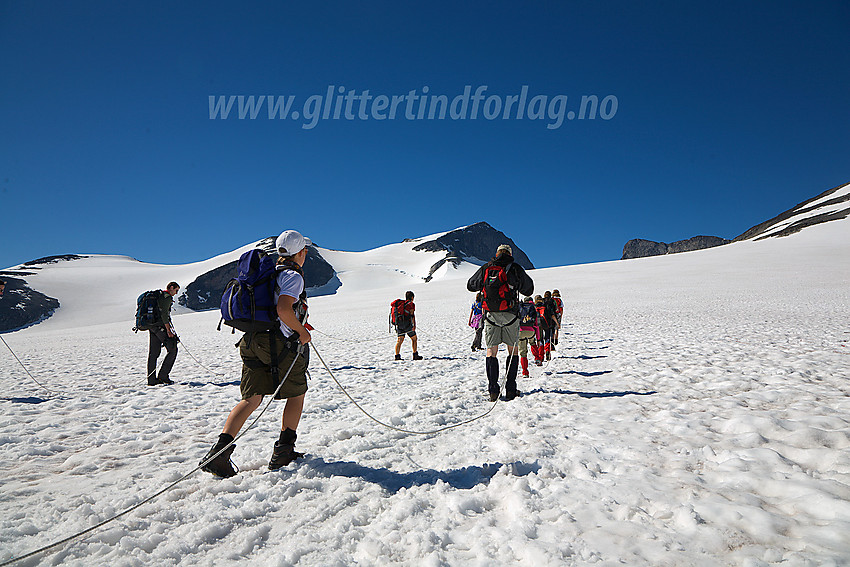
[(205, 291), (696, 243), (805, 207), (476, 242), (639, 248), (54, 259), (22, 306)]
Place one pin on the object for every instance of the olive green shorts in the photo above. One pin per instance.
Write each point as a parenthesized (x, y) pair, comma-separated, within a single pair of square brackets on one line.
[(501, 327), (525, 338), (254, 348)]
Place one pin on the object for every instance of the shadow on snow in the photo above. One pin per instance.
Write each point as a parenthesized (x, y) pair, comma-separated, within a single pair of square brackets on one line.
[(589, 394), (27, 400), (462, 479), (197, 384), (580, 373)]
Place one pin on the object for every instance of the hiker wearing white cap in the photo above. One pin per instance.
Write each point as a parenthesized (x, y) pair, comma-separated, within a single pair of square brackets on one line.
[(287, 346)]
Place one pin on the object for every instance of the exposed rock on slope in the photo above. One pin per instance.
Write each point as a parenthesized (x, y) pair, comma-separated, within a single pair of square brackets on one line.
[(639, 248), (830, 205), (205, 291), (22, 306), (474, 242)]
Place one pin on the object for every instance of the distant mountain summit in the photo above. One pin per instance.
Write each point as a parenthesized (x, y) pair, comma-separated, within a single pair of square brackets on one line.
[(833, 204), (476, 243)]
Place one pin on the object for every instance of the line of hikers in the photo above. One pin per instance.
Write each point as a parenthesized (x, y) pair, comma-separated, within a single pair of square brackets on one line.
[(539, 325), (268, 302)]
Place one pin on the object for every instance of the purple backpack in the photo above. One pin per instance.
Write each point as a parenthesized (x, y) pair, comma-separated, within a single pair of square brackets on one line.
[(248, 302)]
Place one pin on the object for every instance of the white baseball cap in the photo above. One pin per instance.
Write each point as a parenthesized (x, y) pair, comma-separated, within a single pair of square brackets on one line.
[(290, 243)]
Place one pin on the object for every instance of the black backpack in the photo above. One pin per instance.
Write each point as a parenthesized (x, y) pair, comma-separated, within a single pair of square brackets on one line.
[(527, 315), (147, 311)]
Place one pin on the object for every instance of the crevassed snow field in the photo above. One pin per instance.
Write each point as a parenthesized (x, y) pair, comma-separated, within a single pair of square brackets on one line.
[(697, 412)]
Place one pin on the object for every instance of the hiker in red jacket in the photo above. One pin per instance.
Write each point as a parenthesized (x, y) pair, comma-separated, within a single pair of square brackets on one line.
[(403, 319)]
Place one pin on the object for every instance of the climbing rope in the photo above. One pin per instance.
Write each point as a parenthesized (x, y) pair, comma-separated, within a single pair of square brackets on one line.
[(376, 420), (164, 490), (192, 356), (24, 367)]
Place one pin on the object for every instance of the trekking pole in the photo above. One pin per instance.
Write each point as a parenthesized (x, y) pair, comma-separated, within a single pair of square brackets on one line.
[(24, 367)]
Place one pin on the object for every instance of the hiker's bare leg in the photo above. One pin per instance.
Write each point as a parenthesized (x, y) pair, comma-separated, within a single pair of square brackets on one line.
[(413, 340), (292, 412), (398, 344), (240, 413)]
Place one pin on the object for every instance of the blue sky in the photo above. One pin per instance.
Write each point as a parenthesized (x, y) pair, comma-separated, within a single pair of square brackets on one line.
[(727, 113)]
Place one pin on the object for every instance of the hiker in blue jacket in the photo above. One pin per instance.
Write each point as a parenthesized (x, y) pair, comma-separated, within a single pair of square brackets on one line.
[(290, 341)]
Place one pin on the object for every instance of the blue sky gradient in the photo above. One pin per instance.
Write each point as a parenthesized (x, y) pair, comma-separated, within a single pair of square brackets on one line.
[(727, 114)]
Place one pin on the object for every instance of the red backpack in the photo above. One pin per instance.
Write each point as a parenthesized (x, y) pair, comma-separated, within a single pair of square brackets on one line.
[(498, 293), (398, 313)]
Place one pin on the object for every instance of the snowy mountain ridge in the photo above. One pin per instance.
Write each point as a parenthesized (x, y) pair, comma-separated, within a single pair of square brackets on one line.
[(116, 281)]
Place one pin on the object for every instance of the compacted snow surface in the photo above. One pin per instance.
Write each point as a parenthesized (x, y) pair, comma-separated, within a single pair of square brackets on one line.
[(695, 413)]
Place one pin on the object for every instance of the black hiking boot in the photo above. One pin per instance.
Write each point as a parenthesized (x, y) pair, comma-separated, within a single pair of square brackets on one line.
[(494, 396), (284, 453), (416, 356), (284, 450), (511, 395), (398, 357), (166, 381), (221, 465)]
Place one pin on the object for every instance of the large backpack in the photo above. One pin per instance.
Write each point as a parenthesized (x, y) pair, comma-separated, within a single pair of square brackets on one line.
[(551, 309), (398, 313), (527, 315), (147, 311), (498, 293), (248, 302), (559, 306)]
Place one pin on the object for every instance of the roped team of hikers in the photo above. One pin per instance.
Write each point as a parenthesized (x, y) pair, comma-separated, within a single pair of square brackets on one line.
[(274, 348)]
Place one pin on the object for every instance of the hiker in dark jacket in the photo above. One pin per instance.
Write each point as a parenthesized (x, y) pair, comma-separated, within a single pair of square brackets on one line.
[(552, 313), (163, 335), (501, 315)]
